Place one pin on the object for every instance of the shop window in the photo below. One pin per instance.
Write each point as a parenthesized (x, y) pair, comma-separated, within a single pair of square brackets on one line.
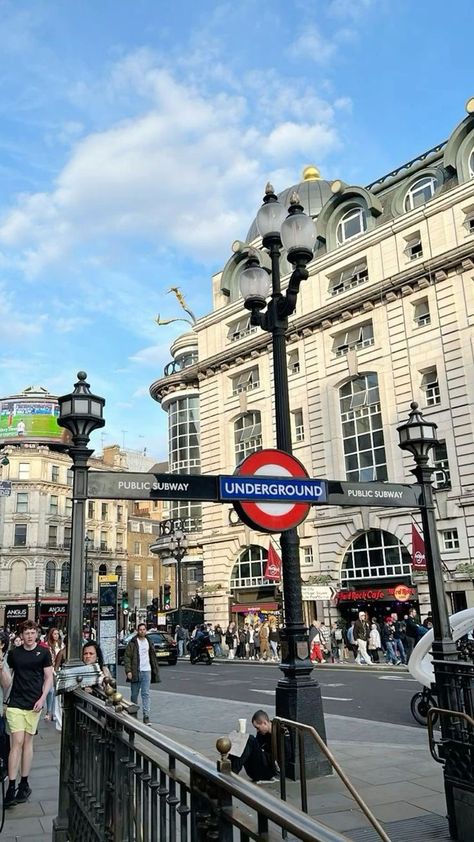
[(19, 538), (50, 577), (430, 386), (246, 381), (359, 336), (442, 475), (414, 247), (420, 192), (247, 435), (352, 224), (249, 569), (362, 430), (240, 329), (450, 539), (348, 278), (421, 313), (375, 555)]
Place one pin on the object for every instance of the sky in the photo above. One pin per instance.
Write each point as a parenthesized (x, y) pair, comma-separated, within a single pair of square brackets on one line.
[(136, 138)]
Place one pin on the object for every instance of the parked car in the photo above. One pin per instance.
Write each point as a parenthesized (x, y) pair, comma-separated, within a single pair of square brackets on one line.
[(164, 645)]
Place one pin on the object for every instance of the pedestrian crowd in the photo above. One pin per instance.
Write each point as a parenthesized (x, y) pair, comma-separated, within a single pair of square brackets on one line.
[(252, 641)]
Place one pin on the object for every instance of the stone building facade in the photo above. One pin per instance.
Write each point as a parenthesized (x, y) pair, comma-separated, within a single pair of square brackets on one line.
[(386, 317)]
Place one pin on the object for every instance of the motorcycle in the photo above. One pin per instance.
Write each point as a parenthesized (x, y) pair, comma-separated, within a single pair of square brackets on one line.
[(201, 651)]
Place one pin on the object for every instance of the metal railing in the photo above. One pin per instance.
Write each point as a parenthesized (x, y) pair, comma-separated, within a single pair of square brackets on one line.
[(279, 727), (130, 783)]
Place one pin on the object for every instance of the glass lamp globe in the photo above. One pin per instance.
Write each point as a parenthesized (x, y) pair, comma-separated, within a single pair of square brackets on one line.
[(270, 218), (254, 283)]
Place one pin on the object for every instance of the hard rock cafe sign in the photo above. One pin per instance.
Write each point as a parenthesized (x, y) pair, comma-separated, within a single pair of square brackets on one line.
[(399, 593)]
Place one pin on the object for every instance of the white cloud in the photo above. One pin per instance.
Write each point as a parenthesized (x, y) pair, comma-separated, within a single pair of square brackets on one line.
[(185, 173), (312, 44), (153, 355)]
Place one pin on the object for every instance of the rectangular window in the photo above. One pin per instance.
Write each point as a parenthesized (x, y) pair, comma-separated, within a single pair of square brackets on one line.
[(53, 536), (54, 473), (67, 537), (414, 247), (307, 555), (294, 361), (105, 511), (69, 476), (24, 470), (439, 455), (68, 507), (360, 336), (450, 539), (192, 575), (103, 540), (53, 504), (19, 539), (149, 573), (137, 548), (119, 514), (135, 526), (349, 278), (22, 501), (149, 596), (240, 329), (137, 598), (119, 541), (90, 535), (299, 426), (137, 572), (430, 386), (91, 510), (246, 381), (147, 527), (421, 313), (247, 435)]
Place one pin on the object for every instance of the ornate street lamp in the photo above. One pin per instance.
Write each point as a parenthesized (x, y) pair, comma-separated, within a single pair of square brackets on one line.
[(454, 679), (80, 413), (298, 694), (178, 546)]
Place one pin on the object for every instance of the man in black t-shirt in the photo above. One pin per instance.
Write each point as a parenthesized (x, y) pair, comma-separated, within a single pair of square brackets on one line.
[(32, 679)]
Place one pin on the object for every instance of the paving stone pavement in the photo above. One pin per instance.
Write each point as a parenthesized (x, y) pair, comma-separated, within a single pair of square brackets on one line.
[(390, 765)]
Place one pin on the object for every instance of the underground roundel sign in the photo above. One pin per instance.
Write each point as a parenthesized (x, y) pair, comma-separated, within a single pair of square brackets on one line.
[(269, 515)]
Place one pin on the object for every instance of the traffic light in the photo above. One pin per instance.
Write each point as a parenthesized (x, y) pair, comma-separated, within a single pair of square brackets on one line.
[(167, 596), (125, 601)]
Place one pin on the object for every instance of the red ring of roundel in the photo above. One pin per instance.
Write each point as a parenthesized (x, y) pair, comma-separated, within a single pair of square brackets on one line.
[(297, 513)]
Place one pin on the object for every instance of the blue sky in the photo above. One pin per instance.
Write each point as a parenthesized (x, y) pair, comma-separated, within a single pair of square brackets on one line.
[(135, 142)]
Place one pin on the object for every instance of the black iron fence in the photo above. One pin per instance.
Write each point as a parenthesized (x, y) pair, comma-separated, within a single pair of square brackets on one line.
[(129, 783)]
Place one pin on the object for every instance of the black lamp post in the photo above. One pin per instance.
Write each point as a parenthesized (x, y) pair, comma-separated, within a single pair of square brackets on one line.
[(454, 680), (80, 413), (178, 546), (298, 694)]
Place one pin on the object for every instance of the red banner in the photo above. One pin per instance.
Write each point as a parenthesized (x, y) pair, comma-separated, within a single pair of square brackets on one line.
[(418, 559), (273, 568)]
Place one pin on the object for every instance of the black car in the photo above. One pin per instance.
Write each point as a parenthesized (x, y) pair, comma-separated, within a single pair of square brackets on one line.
[(164, 645)]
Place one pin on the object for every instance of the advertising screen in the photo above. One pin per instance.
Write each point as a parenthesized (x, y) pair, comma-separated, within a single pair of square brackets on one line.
[(27, 419)]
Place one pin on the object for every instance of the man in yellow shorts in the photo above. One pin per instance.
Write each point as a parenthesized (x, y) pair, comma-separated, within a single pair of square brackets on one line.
[(32, 679)]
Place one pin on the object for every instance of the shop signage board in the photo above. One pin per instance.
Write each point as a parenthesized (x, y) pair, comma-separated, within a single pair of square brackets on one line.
[(108, 607), (15, 614), (5, 488), (398, 593)]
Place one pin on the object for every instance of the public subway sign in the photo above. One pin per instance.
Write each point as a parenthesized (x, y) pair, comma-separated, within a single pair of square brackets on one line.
[(373, 494), (119, 485), (399, 593)]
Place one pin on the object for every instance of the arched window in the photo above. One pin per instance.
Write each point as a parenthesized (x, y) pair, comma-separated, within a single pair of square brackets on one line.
[(249, 570), (353, 223), (362, 431), (18, 577), (247, 435), (65, 570), (102, 570), (375, 555), (420, 192), (89, 578), (50, 577), (471, 164)]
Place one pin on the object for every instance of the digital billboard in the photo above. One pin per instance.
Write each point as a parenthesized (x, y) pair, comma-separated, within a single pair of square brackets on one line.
[(22, 418)]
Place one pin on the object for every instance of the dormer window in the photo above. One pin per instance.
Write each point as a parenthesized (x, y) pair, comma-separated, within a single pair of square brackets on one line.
[(350, 225), (420, 192), (351, 276)]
